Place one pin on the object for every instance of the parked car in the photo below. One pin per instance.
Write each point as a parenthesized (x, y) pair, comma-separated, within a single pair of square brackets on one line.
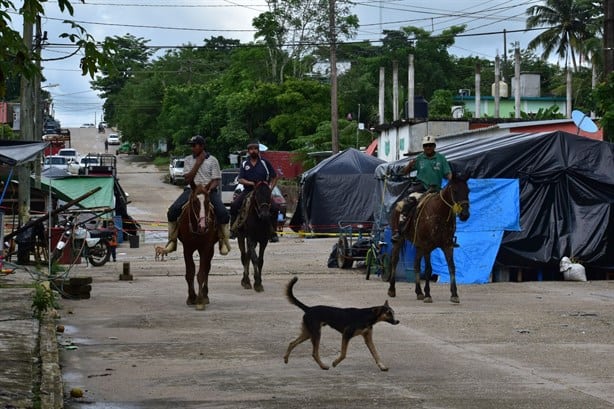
[(69, 153), (78, 167), (230, 180), (55, 161), (113, 139), (276, 194), (175, 170)]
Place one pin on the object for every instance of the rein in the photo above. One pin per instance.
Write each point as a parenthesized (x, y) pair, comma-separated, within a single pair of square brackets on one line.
[(455, 207)]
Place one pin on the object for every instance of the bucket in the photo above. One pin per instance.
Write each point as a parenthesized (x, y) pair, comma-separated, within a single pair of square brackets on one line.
[(134, 241)]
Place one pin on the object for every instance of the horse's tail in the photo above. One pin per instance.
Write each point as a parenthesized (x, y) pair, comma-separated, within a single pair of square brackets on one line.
[(292, 298)]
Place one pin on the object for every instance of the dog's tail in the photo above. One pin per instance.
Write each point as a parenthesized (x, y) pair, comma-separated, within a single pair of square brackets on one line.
[(291, 297)]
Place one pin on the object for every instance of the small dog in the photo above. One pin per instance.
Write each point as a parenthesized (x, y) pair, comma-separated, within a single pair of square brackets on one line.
[(160, 253), (348, 321)]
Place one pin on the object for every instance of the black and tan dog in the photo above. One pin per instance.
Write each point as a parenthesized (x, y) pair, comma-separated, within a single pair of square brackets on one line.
[(348, 321)]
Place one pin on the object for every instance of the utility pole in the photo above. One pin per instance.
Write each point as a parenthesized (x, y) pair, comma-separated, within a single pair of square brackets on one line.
[(334, 110), (38, 106), (27, 123), (608, 37)]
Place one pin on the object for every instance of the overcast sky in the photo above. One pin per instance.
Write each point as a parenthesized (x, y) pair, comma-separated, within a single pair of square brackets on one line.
[(191, 21)]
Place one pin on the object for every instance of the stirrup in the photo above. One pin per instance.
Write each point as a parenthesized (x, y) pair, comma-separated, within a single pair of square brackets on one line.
[(396, 237)]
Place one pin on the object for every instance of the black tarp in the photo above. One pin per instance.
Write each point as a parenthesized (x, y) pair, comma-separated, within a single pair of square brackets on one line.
[(339, 188), (566, 193)]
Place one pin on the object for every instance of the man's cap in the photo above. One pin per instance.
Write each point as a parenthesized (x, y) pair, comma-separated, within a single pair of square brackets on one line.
[(428, 139), (197, 140), (253, 143)]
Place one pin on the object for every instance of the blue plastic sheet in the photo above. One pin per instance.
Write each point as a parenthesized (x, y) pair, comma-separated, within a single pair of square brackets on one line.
[(494, 208)]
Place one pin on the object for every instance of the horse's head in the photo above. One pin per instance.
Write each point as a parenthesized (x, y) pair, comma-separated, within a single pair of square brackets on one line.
[(459, 196), (262, 200), (199, 206)]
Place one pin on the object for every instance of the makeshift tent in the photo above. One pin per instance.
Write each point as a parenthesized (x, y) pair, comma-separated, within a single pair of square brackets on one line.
[(339, 188), (566, 194)]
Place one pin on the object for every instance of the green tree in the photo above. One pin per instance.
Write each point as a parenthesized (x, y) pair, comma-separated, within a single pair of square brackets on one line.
[(16, 59), (290, 28), (440, 104), (603, 97), (129, 56), (568, 24)]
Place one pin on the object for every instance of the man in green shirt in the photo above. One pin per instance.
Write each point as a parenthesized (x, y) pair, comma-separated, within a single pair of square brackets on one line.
[(431, 168)]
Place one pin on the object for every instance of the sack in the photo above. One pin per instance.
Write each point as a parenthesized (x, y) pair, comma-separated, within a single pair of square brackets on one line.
[(572, 271)]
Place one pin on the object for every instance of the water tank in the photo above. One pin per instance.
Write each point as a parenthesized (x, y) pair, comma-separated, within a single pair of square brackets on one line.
[(503, 92), (421, 107)]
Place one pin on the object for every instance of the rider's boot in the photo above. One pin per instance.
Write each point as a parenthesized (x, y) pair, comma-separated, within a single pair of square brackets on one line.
[(224, 236), (173, 229)]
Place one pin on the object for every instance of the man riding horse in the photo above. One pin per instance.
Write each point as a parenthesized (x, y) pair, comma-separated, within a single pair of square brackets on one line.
[(431, 168), (253, 170), (201, 168)]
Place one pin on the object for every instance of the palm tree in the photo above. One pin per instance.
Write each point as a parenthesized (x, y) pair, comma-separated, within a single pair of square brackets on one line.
[(569, 24)]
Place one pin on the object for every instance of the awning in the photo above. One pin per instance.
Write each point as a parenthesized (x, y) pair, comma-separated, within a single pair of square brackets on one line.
[(72, 187), (17, 152)]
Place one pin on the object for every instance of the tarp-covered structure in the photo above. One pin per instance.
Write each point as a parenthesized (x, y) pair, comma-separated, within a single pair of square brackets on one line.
[(566, 185), (339, 188), (72, 187)]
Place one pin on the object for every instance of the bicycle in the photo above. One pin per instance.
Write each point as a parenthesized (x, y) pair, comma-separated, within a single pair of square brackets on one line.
[(378, 261)]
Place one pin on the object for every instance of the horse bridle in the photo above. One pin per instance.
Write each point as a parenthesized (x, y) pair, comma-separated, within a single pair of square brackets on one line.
[(455, 207), (197, 216), (260, 205)]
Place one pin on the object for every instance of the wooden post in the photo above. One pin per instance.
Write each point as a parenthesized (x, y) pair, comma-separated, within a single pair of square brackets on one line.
[(125, 275)]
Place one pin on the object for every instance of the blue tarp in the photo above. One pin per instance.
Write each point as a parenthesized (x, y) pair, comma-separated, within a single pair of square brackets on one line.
[(494, 207)]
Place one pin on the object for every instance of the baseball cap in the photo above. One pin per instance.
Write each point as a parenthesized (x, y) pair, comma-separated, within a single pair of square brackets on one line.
[(197, 140)]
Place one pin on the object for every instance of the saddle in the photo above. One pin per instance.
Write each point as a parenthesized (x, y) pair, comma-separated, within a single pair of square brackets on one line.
[(243, 212)]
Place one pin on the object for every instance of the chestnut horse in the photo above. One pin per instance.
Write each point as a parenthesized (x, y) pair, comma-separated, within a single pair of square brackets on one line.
[(432, 225), (198, 232), (256, 230)]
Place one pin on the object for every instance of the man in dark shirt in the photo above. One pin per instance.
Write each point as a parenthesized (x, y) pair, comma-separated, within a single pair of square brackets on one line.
[(253, 170)]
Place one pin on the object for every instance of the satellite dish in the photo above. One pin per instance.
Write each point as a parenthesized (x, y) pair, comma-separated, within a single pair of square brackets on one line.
[(583, 122)]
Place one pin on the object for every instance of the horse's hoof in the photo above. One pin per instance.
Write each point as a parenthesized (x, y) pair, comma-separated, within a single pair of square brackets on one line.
[(247, 286), (206, 301), (428, 300), (420, 297), (190, 301), (455, 299), (200, 307), (392, 293), (259, 288)]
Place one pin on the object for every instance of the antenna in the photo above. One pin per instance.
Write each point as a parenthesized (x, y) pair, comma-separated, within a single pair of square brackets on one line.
[(583, 122)]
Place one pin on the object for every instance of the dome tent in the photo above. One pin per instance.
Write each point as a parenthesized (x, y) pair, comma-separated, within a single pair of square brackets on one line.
[(339, 188)]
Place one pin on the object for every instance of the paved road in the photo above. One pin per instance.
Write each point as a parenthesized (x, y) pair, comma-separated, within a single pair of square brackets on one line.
[(506, 345)]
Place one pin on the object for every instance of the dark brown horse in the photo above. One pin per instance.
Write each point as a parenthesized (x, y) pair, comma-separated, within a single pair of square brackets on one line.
[(433, 225), (255, 231), (198, 232)]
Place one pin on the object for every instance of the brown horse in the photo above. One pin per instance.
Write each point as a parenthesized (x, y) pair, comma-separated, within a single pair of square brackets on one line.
[(433, 225), (256, 230), (198, 232)]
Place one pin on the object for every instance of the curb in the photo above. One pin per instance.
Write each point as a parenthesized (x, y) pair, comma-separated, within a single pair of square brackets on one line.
[(51, 386)]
